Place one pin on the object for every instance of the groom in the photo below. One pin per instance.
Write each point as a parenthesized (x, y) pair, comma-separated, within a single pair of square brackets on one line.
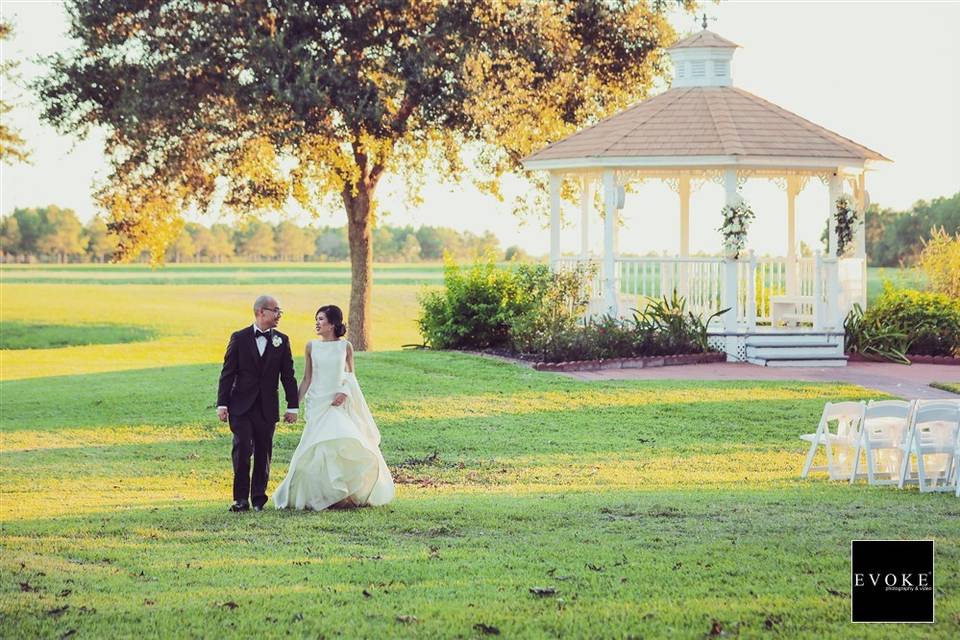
[(257, 356)]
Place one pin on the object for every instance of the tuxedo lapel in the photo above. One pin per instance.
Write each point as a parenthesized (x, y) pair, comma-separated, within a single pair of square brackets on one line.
[(268, 350), (251, 338)]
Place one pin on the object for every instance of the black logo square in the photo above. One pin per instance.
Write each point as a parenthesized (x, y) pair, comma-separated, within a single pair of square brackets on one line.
[(891, 581)]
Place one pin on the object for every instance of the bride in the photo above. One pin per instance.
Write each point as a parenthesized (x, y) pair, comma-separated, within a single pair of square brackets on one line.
[(338, 462)]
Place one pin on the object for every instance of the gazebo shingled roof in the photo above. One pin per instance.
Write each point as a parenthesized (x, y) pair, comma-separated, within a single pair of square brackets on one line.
[(705, 121)]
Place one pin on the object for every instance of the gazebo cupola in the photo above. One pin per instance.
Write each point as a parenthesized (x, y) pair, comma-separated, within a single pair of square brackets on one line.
[(703, 60)]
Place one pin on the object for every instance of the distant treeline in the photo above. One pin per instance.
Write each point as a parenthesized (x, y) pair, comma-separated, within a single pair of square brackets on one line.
[(53, 234), (895, 238)]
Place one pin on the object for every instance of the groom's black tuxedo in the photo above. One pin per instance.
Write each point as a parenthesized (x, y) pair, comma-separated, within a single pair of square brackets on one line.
[(247, 377), (248, 388)]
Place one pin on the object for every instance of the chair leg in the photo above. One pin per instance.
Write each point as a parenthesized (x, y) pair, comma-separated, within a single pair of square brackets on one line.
[(856, 462), (905, 461), (870, 463), (810, 454), (948, 472), (830, 467), (921, 473), (956, 473)]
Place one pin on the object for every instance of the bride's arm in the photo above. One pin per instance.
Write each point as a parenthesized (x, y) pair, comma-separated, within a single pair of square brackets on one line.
[(349, 358), (307, 374)]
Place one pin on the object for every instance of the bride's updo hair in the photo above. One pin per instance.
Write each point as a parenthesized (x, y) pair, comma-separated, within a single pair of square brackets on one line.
[(335, 317)]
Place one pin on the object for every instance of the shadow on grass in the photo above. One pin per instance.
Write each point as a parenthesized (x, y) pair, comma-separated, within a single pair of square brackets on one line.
[(18, 335), (426, 392)]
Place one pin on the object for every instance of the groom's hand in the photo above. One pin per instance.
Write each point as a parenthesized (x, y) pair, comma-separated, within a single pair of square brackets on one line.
[(339, 399), (289, 417), (223, 414)]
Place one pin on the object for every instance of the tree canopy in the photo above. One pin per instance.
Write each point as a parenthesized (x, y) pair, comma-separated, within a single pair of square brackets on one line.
[(896, 238), (13, 148), (249, 105)]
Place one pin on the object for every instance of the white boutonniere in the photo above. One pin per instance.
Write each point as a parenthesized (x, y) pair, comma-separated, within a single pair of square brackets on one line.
[(277, 340)]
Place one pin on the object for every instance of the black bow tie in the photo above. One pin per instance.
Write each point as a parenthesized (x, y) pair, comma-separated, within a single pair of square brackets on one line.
[(257, 333)]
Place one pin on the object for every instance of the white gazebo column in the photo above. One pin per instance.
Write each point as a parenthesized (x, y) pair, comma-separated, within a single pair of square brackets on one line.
[(831, 266), (586, 200), (683, 190), (835, 189), (730, 293), (609, 231), (860, 237), (554, 221), (793, 188)]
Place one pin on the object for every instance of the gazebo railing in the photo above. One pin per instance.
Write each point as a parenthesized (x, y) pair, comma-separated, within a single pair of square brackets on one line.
[(761, 281), (699, 280), (595, 285), (802, 285)]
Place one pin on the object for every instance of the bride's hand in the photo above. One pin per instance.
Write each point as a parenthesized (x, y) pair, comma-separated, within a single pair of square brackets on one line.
[(339, 399)]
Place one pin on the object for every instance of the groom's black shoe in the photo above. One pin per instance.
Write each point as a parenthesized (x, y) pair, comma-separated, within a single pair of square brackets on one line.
[(258, 507), (240, 505)]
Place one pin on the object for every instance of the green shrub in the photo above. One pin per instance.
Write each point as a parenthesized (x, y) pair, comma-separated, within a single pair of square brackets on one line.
[(869, 337), (558, 302), (529, 310), (940, 260), (485, 306), (666, 327), (473, 311), (901, 322)]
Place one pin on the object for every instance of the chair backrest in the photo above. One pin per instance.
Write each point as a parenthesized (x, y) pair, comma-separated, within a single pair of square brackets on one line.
[(937, 411), (888, 409), (937, 422), (847, 415)]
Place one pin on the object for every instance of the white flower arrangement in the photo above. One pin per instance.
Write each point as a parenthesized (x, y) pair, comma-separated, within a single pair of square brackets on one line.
[(736, 221), (277, 340), (846, 218)]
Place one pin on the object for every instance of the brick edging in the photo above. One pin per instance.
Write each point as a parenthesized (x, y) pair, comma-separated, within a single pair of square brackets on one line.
[(949, 360), (632, 363)]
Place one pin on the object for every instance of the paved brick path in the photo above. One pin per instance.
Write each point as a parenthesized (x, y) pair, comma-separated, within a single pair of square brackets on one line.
[(899, 380)]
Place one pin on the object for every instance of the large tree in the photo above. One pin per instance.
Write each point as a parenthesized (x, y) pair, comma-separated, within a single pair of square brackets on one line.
[(250, 104)]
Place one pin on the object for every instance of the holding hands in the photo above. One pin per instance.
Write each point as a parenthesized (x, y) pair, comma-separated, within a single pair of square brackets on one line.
[(339, 399)]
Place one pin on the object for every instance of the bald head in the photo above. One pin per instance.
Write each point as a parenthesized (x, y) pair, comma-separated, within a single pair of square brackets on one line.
[(266, 312)]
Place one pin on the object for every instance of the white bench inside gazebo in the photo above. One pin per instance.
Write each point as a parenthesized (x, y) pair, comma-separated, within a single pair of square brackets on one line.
[(785, 310)]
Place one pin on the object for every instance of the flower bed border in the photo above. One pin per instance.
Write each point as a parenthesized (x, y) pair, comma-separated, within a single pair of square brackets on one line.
[(914, 359), (645, 362)]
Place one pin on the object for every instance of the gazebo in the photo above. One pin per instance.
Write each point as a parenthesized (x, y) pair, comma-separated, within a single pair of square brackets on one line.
[(785, 310)]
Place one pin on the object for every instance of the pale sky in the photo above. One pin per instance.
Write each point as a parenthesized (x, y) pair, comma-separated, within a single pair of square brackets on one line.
[(885, 74)]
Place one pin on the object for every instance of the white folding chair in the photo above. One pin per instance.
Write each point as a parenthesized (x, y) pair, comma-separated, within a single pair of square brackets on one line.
[(840, 442), (882, 436), (933, 431)]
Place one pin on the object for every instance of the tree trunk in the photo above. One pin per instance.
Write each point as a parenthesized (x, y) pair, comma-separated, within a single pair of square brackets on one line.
[(361, 265)]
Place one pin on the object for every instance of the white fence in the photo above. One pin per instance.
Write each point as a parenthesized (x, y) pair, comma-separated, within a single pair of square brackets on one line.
[(820, 290)]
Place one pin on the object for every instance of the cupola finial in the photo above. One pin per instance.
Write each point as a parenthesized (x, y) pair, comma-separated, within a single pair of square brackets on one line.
[(704, 19)]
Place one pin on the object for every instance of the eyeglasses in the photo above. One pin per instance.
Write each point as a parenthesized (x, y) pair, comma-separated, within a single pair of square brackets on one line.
[(276, 310)]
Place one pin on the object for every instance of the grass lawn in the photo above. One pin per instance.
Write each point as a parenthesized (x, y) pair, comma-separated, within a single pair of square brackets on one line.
[(900, 278), (637, 509), (947, 386)]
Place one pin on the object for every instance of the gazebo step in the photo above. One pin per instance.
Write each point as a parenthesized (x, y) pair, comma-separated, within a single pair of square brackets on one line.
[(793, 350), (793, 339), (813, 361)]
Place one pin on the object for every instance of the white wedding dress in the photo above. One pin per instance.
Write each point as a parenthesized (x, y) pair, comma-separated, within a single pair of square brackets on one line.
[(338, 456)]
